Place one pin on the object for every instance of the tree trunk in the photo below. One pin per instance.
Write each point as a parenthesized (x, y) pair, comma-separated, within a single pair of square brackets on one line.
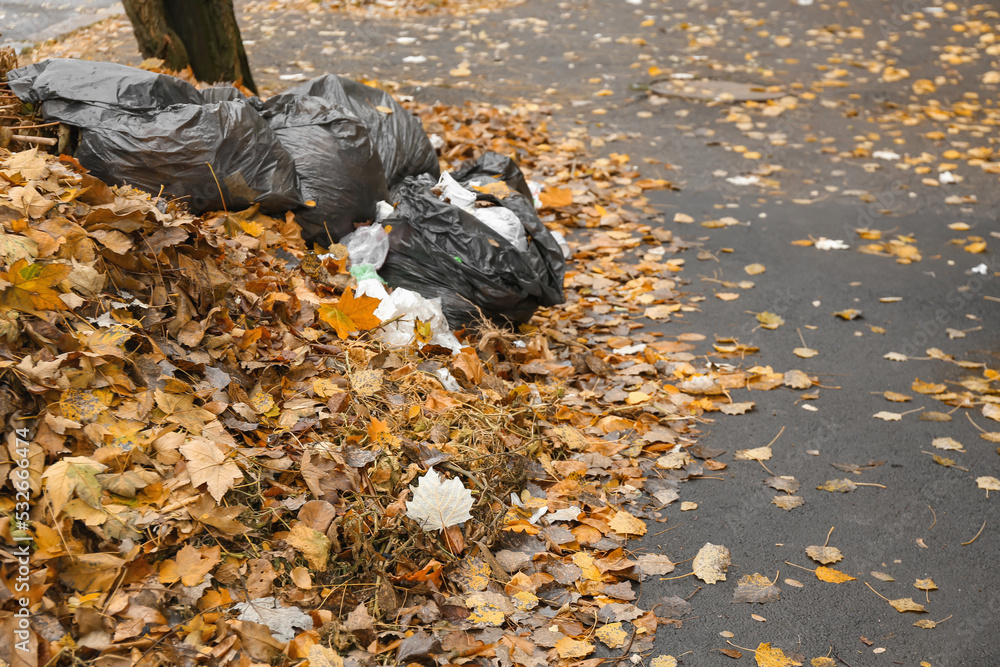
[(199, 33)]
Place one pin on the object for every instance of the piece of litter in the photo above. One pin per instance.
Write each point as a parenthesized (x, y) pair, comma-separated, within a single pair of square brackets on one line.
[(824, 243), (743, 180)]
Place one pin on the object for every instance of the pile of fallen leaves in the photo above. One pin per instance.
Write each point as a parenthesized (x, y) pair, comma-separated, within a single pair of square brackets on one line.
[(224, 462)]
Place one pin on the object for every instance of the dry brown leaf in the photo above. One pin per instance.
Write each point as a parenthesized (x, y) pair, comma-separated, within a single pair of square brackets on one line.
[(755, 454), (838, 485), (796, 379), (624, 523), (569, 648), (903, 605), (613, 635), (948, 444), (756, 588), (209, 465), (736, 408), (312, 544), (788, 502), (824, 555), (769, 320), (988, 483)]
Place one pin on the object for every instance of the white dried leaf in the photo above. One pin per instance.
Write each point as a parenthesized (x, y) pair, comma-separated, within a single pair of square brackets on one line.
[(280, 620), (436, 505)]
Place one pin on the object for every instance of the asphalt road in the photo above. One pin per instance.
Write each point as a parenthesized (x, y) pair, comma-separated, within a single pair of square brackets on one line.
[(25, 22), (828, 185)]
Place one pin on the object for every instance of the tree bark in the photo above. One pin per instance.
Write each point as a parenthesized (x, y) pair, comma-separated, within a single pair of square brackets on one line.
[(199, 33)]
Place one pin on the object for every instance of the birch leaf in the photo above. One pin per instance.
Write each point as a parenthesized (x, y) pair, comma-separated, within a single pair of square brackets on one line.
[(437, 504), (907, 604), (711, 562), (824, 555), (831, 575)]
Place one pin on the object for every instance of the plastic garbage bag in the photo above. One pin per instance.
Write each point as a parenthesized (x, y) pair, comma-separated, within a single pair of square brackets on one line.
[(505, 223), (493, 167), (157, 133), (499, 219), (116, 86), (336, 164), (440, 250), (398, 136), (215, 156), (367, 245), (408, 306)]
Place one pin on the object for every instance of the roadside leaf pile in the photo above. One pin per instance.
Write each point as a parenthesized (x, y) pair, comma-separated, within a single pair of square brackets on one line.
[(225, 461)]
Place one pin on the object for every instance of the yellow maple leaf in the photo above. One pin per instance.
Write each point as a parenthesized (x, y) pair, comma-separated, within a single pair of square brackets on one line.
[(31, 286), (207, 464), (351, 314)]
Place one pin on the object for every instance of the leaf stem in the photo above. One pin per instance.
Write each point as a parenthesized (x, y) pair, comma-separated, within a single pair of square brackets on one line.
[(800, 567), (876, 592), (965, 544)]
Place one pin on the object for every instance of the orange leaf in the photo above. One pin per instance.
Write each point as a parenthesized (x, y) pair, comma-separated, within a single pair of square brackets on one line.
[(556, 197), (351, 314), (379, 433), (498, 189), (31, 286)]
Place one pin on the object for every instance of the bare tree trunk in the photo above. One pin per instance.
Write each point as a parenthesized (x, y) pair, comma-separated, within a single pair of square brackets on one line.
[(199, 33)]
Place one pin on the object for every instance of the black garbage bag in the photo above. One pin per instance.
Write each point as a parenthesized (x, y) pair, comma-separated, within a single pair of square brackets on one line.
[(157, 133), (492, 167), (214, 156), (110, 84), (338, 169), (439, 250), (399, 137)]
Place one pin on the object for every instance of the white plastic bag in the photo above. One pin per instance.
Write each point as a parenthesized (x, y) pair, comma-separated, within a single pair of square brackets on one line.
[(409, 306), (501, 220), (367, 245), (505, 223)]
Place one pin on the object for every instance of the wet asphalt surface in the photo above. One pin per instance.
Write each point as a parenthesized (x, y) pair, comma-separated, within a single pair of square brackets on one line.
[(562, 54)]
